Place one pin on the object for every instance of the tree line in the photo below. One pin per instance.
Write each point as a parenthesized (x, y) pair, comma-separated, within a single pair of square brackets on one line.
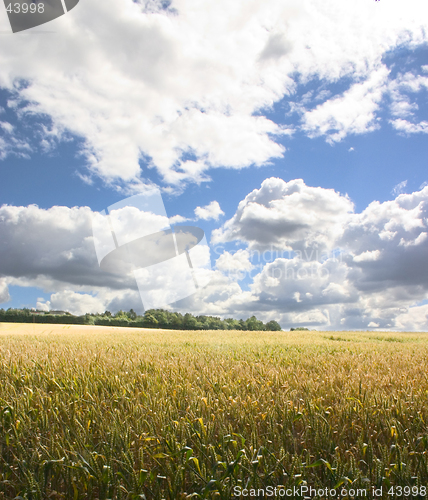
[(152, 318)]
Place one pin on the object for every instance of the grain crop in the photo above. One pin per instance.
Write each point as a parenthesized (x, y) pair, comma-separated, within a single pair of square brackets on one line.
[(120, 413)]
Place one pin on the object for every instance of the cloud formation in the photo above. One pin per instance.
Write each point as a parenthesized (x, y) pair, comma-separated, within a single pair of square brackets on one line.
[(308, 260), (399, 188), (54, 249), (353, 112), (181, 90), (371, 270), (287, 216), (210, 211), (4, 291)]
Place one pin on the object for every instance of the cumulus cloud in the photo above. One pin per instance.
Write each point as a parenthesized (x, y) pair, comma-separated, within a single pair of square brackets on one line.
[(4, 291), (76, 303), (210, 211), (367, 256), (371, 271), (236, 265), (301, 285), (415, 318), (223, 296), (288, 216), (146, 86), (55, 243), (53, 249), (389, 245), (43, 305), (376, 273)]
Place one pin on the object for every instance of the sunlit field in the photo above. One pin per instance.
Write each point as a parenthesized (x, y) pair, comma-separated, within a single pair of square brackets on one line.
[(117, 413)]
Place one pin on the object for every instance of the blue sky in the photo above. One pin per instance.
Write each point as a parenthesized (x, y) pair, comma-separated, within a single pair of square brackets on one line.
[(224, 108)]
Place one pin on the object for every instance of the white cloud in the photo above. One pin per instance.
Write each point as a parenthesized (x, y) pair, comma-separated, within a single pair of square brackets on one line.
[(76, 303), (210, 211), (375, 281), (276, 47), (55, 242), (42, 305), (12, 144), (288, 216), (379, 273), (378, 277), (326, 282), (354, 112), (409, 127), (143, 84), (399, 188), (407, 82), (367, 256), (221, 297), (395, 233), (415, 318), (4, 291), (236, 265), (177, 219), (53, 249), (417, 241), (403, 109)]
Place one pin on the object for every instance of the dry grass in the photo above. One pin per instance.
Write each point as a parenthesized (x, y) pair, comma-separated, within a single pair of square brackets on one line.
[(98, 413)]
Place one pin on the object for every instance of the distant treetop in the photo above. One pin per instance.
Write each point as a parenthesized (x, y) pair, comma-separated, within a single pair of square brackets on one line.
[(153, 318)]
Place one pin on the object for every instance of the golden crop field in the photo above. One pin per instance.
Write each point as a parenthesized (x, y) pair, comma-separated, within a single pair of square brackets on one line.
[(121, 413)]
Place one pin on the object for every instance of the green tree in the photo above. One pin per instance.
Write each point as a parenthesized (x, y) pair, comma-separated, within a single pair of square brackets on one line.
[(176, 320), (253, 324), (273, 326), (132, 314), (189, 322), (232, 324), (150, 319)]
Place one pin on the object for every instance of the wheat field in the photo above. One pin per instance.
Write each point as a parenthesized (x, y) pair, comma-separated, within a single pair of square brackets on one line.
[(120, 413)]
